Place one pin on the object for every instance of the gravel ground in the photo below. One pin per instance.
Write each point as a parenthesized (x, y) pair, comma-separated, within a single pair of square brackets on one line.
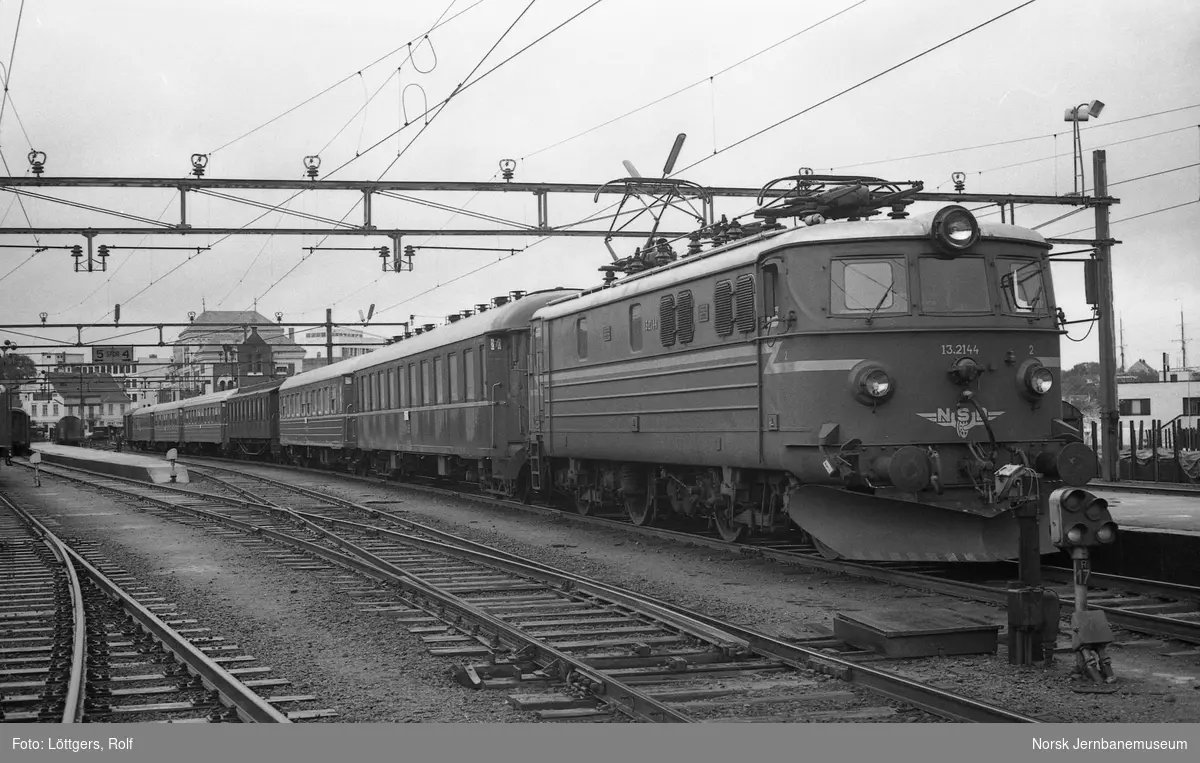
[(372, 671), (793, 602), (300, 623)]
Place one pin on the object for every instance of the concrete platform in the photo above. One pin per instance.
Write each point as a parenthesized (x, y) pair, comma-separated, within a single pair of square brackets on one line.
[(129, 465), (1177, 512)]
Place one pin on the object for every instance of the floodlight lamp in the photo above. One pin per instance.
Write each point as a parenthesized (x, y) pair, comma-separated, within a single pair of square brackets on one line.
[(1094, 108)]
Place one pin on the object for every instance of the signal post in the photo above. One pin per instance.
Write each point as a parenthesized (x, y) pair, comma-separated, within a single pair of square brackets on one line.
[(1080, 520)]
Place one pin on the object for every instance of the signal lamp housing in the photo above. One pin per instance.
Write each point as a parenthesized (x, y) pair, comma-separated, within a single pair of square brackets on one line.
[(1079, 519)]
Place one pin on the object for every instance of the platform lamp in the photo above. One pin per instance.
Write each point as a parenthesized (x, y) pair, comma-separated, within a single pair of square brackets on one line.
[(1075, 115)]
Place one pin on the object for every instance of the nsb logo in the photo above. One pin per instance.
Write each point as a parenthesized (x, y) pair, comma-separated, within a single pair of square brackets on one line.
[(962, 420)]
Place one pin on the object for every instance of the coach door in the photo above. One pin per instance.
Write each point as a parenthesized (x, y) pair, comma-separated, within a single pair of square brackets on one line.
[(350, 406), (518, 385), (539, 371)]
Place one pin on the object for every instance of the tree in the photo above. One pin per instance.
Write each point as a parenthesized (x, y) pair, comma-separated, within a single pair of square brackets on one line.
[(17, 368), (1081, 387)]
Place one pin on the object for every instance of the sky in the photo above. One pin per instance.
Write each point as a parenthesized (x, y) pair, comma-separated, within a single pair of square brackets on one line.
[(129, 88)]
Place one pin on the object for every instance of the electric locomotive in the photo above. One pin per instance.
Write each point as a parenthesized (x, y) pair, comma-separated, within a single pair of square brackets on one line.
[(887, 385)]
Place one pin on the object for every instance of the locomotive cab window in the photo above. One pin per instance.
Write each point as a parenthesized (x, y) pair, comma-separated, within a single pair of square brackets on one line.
[(770, 275), (954, 286), (868, 286), (1022, 287), (581, 337)]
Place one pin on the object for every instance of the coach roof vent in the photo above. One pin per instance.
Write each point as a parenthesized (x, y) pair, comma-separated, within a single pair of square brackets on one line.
[(482, 307), (453, 318), (418, 331), (430, 326), (500, 301), (516, 295), (467, 313)]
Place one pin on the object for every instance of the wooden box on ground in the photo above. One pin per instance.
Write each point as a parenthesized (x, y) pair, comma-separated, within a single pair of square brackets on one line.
[(915, 633)]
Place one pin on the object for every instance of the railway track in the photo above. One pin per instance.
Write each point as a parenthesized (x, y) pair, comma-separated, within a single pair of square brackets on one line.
[(80, 641), (562, 646), (1156, 608)]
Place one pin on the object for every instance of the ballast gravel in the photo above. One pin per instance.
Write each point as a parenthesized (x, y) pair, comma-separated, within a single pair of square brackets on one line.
[(369, 670)]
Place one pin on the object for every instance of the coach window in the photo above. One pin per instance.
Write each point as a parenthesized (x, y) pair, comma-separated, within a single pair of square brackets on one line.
[(455, 378), (581, 337), (469, 367), (868, 286), (414, 389), (426, 384), (439, 381), (635, 327), (389, 397)]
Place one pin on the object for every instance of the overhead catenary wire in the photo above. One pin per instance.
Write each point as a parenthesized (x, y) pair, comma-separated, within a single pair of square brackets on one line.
[(437, 25), (304, 258), (856, 86), (1135, 217), (1012, 141), (709, 79), (462, 86), (458, 90), (12, 56)]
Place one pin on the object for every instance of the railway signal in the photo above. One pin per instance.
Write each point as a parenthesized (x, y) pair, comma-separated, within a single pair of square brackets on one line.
[(1080, 520)]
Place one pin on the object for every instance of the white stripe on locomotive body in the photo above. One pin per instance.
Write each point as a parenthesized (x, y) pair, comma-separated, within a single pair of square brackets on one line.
[(746, 253)]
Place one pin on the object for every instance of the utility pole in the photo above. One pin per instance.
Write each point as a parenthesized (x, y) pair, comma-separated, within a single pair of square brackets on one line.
[(329, 336), (1109, 411), (1123, 366), (1182, 341)]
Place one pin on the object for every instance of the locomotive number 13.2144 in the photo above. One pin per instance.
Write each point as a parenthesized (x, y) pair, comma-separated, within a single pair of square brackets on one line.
[(960, 349)]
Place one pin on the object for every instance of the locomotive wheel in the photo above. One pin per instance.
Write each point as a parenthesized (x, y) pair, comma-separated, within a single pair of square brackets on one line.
[(730, 531), (640, 509)]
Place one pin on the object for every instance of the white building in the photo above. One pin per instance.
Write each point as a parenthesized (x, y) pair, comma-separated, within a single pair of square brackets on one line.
[(1142, 403)]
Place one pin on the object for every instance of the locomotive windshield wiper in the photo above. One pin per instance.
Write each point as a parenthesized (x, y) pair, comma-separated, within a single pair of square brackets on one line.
[(891, 289)]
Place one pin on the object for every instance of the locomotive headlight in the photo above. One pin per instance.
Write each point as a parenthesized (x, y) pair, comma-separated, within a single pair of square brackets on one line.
[(955, 229), (1039, 380), (870, 383), (877, 384)]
